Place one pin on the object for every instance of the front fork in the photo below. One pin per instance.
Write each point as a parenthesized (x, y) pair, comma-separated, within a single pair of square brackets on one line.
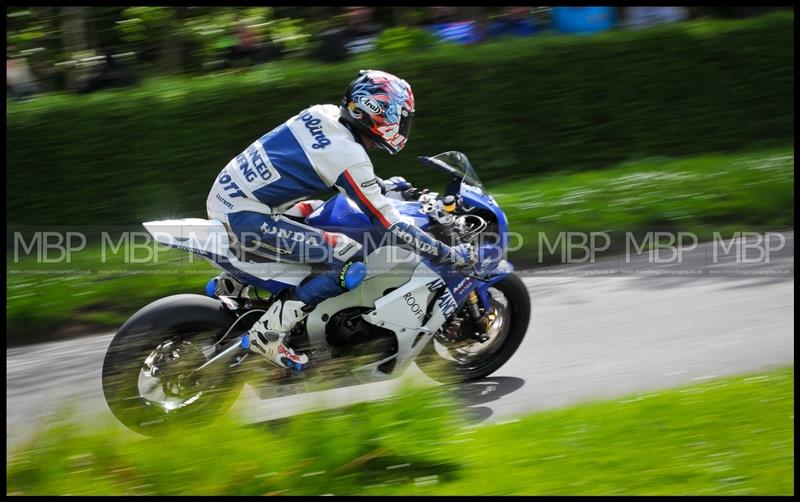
[(475, 314), (481, 298)]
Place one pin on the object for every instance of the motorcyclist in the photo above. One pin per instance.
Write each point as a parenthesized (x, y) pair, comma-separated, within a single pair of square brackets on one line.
[(321, 148)]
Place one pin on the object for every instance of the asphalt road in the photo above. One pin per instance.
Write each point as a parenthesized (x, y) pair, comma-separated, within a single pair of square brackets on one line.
[(598, 331)]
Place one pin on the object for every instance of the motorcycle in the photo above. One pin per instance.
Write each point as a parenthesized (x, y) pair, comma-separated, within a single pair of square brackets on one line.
[(181, 360)]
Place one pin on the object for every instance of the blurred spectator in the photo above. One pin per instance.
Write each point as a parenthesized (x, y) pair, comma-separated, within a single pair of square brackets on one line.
[(362, 30), (448, 24), (515, 22), (358, 34), (640, 17), (541, 18), (108, 75), (584, 20), (331, 45), (20, 83), (246, 48)]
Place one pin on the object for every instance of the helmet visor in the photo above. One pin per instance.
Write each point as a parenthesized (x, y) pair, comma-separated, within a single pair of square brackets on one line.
[(393, 138), (406, 118)]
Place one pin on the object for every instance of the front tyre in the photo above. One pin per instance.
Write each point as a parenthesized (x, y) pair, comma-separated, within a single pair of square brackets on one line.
[(147, 371), (455, 362)]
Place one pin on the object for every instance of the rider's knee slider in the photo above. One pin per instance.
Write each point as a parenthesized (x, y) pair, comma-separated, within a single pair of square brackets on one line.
[(352, 275)]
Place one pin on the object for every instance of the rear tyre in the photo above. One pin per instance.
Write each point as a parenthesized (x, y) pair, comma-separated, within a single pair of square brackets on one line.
[(146, 371)]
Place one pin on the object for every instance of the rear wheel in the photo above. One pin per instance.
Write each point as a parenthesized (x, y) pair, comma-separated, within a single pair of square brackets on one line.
[(449, 361), (148, 378)]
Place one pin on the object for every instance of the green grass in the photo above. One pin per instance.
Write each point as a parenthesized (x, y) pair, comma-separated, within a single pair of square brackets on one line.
[(46, 300), (725, 193), (705, 194), (730, 436)]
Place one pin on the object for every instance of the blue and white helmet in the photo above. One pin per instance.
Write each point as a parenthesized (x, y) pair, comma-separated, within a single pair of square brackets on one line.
[(380, 106)]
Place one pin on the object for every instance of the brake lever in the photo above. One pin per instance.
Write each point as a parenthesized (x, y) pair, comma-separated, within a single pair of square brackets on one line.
[(476, 278), (473, 274)]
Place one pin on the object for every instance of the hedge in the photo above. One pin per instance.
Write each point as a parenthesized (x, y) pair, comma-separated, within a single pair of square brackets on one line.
[(516, 107)]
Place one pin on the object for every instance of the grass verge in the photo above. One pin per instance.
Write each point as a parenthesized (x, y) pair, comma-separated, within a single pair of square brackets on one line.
[(724, 193), (726, 436), (705, 194)]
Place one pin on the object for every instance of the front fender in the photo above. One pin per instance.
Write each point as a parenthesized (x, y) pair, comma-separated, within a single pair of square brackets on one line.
[(503, 269)]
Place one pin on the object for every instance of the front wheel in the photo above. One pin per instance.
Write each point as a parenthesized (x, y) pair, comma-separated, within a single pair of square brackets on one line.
[(449, 361)]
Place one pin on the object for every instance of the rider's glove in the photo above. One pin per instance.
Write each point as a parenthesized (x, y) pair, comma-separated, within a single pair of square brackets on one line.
[(462, 255), (396, 183), (414, 193)]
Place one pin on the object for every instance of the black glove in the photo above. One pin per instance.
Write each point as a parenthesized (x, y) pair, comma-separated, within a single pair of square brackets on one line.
[(414, 193)]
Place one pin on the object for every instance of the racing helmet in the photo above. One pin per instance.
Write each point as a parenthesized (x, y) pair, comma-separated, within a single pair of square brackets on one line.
[(380, 106)]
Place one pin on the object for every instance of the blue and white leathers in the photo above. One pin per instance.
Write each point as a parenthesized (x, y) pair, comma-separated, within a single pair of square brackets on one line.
[(400, 291), (309, 154)]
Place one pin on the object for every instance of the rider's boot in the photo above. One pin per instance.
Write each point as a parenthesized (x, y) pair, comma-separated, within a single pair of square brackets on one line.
[(267, 334)]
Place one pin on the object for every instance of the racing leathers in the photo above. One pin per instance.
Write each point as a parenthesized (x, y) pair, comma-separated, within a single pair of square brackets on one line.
[(260, 196)]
